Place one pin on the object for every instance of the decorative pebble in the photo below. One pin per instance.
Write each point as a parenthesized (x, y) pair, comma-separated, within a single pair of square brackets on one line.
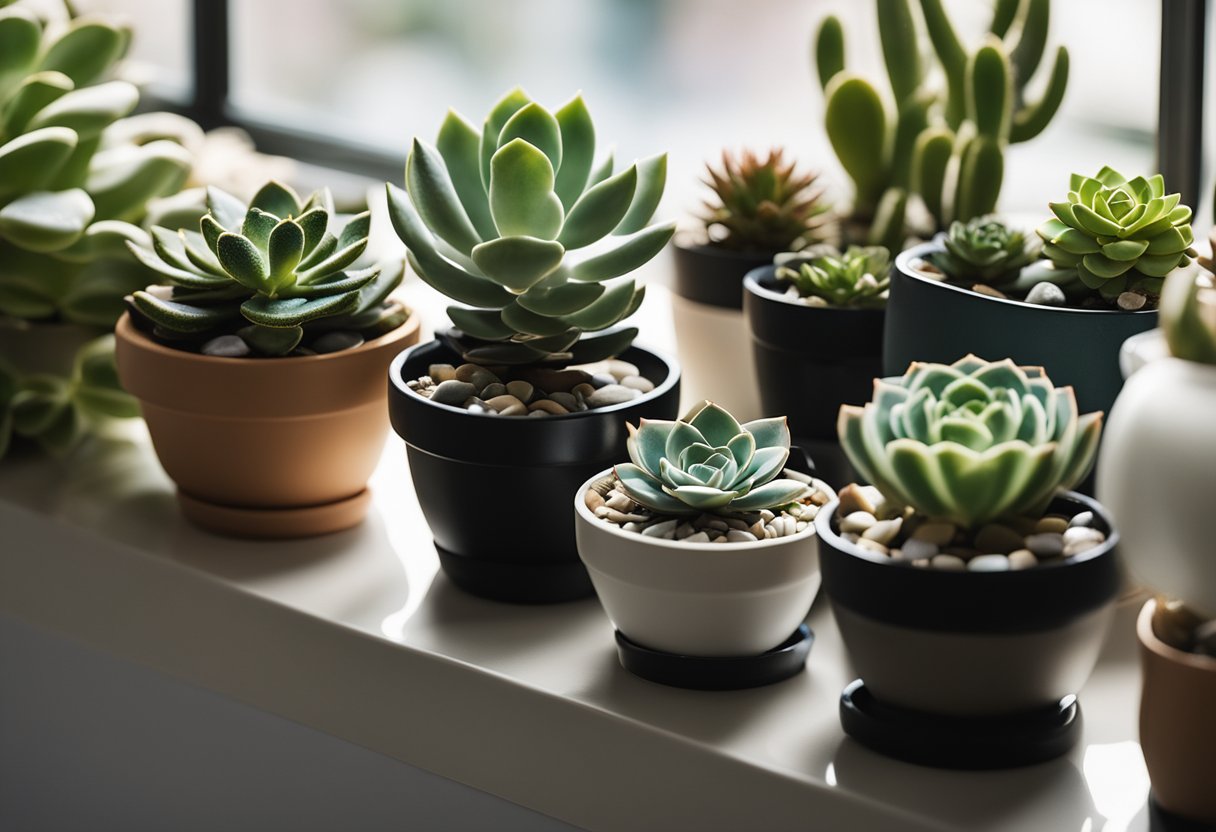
[(1084, 518), (1046, 293), (619, 517), (602, 379), (914, 548), (612, 394), (453, 392), (638, 383), (699, 537), (494, 390), (1045, 544), (738, 536), (872, 546), (1079, 539), (1022, 559), (441, 372), (519, 410), (985, 289), (521, 390), (566, 400), (619, 501), (1131, 301), (852, 499), (226, 346), (664, 528), (501, 403), (988, 563), (939, 533), (1052, 523), (951, 563), (620, 369), (884, 531), (337, 341), (593, 499), (583, 390), (548, 406), (858, 521), (998, 539)]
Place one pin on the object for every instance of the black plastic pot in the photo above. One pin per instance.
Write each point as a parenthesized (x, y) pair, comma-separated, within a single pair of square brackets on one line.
[(464, 464), (969, 669), (712, 275), (929, 320), (809, 361)]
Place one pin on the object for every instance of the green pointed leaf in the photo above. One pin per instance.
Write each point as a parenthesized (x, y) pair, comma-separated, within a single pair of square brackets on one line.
[(269, 340), (44, 221), (336, 262), (646, 490), (243, 261), (599, 210), (86, 50), (561, 300), (36, 92), (20, 38), (284, 249), (314, 222), (180, 277), (288, 312), (1103, 266), (602, 346), (652, 179), (607, 310), (495, 121), (122, 180), (225, 210), (89, 110), (434, 195), (603, 171), (770, 495), (1124, 249), (277, 199), (30, 162), (458, 143), (522, 201), (536, 126), (486, 324), (631, 252), (578, 150), (518, 263), (182, 317)]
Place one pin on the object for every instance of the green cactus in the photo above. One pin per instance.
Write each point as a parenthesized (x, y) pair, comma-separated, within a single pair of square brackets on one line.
[(985, 250), (1119, 234), (265, 273), (1188, 315), (708, 462), (970, 442), (762, 205), (859, 278), (504, 221), (965, 130)]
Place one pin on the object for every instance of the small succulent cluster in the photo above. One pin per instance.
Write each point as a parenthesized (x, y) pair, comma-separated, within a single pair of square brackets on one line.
[(1118, 234), (708, 462), (960, 135), (763, 204), (1188, 315), (258, 278), (985, 250), (517, 222), (970, 442), (860, 278)]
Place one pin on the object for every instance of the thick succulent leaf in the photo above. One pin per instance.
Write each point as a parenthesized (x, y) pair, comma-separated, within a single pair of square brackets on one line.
[(336, 262), (561, 300), (486, 324), (1077, 242), (20, 38), (770, 495), (602, 345), (502, 111), (518, 263), (105, 240), (314, 222), (46, 221), (599, 210), (716, 425), (647, 444), (89, 110), (257, 227), (34, 93), (197, 251), (224, 209), (603, 170), (30, 162), (522, 201), (1104, 267), (536, 126), (284, 250), (170, 249), (388, 276), (182, 317), (605, 311), (286, 312), (1158, 265), (122, 180), (508, 352), (742, 447), (181, 277), (323, 250), (242, 260), (773, 432), (646, 490), (765, 464), (578, 151), (703, 498), (674, 477), (1124, 249), (434, 195), (277, 199), (38, 404), (530, 323), (458, 143), (86, 50), (652, 179), (630, 253), (271, 341)]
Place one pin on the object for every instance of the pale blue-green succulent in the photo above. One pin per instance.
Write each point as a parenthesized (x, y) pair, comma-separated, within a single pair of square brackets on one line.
[(970, 442), (708, 462), (519, 224)]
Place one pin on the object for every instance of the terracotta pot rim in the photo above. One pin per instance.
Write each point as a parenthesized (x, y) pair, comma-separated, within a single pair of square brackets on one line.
[(126, 330), (903, 265), (1149, 640)]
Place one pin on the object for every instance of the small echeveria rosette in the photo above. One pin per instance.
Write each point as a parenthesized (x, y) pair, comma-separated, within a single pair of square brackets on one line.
[(708, 479), (822, 275)]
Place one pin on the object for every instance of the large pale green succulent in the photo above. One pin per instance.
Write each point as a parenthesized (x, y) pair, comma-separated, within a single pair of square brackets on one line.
[(860, 278), (1119, 234), (985, 250), (264, 272), (970, 442), (517, 222), (707, 461), (1188, 315)]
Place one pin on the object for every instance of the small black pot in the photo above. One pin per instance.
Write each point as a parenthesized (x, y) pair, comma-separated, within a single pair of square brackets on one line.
[(712, 275), (460, 462), (969, 669), (809, 361), (929, 320)]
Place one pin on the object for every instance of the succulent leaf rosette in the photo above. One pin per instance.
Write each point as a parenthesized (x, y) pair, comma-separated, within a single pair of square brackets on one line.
[(859, 278), (1119, 234), (970, 442), (708, 462), (985, 250), (264, 272), (520, 225), (762, 204)]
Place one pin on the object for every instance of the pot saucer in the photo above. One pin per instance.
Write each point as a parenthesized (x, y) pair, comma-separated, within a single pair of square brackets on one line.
[(275, 523), (960, 742), (713, 673)]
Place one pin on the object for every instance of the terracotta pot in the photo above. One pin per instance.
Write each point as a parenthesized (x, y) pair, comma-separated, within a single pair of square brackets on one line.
[(265, 447), (1178, 724)]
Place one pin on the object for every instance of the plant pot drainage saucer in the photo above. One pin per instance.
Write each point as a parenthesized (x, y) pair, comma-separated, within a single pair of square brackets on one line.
[(275, 523), (518, 581), (710, 673), (960, 742)]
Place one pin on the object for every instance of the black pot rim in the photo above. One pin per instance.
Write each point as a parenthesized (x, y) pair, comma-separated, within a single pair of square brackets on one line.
[(903, 265), (753, 282), (399, 385), (689, 241)]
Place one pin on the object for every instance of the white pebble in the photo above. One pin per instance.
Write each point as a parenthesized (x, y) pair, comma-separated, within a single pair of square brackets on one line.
[(738, 536), (858, 522), (872, 546), (660, 529), (988, 563), (884, 531), (1022, 559), (699, 537), (1085, 518), (915, 548), (951, 563)]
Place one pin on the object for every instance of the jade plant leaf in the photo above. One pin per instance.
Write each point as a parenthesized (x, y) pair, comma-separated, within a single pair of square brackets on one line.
[(522, 201)]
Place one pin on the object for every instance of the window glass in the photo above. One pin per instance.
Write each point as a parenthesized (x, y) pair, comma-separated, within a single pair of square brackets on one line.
[(159, 59)]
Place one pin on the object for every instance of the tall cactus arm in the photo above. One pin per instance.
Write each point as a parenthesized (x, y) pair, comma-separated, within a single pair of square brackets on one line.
[(981, 170), (900, 48), (912, 121), (1026, 55), (889, 228), (953, 59), (990, 90), (857, 127), (829, 50), (1003, 14), (1029, 120), (934, 148)]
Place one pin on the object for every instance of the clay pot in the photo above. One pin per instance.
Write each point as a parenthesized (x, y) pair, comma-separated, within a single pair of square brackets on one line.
[(1178, 724), (265, 447)]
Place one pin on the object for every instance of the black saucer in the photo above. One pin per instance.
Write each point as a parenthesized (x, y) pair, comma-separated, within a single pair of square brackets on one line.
[(959, 742), (709, 673)]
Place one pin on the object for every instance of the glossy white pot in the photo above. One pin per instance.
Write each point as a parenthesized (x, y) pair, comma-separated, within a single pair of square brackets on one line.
[(698, 599), (1157, 474)]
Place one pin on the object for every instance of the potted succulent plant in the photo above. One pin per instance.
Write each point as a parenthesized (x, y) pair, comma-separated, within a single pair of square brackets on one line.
[(981, 287), (1158, 468), (760, 207), (972, 591), (900, 166), (702, 550), (77, 181), (816, 322), (529, 392), (260, 368)]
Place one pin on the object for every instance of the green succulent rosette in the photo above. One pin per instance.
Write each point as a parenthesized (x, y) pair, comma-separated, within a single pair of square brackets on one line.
[(985, 250), (763, 204), (970, 442), (859, 278)]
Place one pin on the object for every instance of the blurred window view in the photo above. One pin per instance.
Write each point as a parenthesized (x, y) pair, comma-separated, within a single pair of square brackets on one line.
[(688, 76)]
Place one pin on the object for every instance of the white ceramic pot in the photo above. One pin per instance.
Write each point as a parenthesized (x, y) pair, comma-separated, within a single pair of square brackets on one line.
[(1142, 349), (1157, 474), (698, 599)]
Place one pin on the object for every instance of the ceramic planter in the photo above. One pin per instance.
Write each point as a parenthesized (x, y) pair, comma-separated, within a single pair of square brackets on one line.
[(698, 599), (969, 669), (707, 310), (1178, 726), (929, 320), (461, 461), (265, 447), (809, 360)]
